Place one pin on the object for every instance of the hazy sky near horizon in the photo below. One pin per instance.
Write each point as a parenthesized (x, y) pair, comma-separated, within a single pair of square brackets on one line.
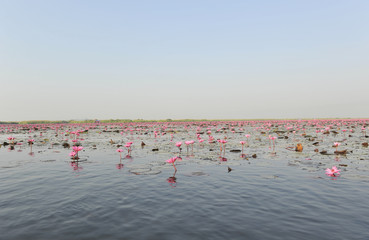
[(74, 59)]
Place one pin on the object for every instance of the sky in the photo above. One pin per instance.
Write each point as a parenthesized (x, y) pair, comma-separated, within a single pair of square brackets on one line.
[(193, 59)]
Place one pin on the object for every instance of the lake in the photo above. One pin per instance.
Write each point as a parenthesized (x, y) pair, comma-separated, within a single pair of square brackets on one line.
[(277, 194)]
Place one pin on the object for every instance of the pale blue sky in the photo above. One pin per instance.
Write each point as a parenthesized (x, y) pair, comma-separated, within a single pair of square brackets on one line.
[(62, 60)]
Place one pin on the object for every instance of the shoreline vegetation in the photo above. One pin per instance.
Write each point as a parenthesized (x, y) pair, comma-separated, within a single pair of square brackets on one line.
[(163, 120)]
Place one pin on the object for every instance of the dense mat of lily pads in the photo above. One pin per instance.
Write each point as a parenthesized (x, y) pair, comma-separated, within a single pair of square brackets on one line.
[(334, 147)]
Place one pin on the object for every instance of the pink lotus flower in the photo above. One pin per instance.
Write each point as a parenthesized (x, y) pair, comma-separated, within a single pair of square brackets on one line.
[(77, 148), (178, 144), (171, 160), (242, 143), (332, 172), (336, 144), (120, 152), (272, 138)]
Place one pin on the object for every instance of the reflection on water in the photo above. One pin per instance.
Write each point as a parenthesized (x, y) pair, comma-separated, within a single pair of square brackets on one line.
[(120, 164), (172, 180), (76, 165)]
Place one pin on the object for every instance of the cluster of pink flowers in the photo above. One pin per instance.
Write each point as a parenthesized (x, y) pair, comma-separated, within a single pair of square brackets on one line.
[(128, 146), (74, 153), (199, 138), (190, 142), (222, 141), (11, 139)]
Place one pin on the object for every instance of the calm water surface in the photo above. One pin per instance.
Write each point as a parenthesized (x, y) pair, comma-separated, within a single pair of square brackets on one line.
[(283, 197)]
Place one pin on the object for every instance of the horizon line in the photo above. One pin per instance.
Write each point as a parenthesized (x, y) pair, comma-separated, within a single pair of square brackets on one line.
[(174, 120)]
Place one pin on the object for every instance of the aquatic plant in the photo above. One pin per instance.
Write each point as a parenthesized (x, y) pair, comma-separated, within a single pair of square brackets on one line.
[(332, 172), (129, 147), (11, 139), (191, 142), (344, 132), (336, 144), (73, 154), (272, 139), (120, 152), (247, 138), (76, 149), (178, 144), (222, 143), (30, 143), (242, 143), (172, 161)]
